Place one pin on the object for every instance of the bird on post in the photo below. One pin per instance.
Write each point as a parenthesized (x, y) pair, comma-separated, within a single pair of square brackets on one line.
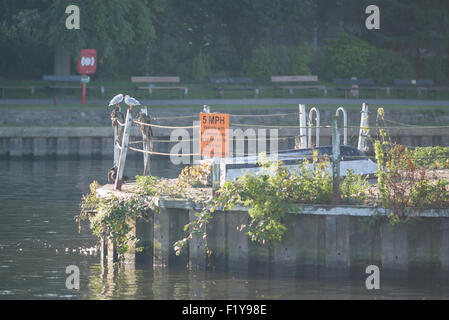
[(206, 108), (116, 100), (131, 102)]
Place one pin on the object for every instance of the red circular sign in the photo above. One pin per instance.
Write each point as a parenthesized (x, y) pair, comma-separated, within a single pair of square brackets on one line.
[(87, 64)]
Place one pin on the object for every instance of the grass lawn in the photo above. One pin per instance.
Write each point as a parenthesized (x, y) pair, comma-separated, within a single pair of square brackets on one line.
[(218, 107)]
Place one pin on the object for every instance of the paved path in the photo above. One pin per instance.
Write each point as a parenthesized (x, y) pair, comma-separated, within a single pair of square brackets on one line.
[(268, 101)]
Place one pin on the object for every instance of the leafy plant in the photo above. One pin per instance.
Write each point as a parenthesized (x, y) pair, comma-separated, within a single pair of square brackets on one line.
[(403, 182), (435, 157), (353, 188)]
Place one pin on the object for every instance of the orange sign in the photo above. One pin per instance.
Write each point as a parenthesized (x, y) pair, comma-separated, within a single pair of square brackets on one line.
[(214, 135)]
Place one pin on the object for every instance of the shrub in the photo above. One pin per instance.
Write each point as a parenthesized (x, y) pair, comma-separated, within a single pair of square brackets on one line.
[(431, 157), (353, 188), (262, 63), (385, 65), (402, 182), (300, 58), (346, 57), (201, 66)]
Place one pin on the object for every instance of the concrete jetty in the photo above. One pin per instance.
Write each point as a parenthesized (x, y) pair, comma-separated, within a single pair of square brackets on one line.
[(322, 241)]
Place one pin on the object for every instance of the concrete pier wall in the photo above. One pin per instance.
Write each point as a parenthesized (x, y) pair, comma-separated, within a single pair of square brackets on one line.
[(321, 242), (17, 142)]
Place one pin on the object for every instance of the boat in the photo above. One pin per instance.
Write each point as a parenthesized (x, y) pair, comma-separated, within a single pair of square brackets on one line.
[(350, 158)]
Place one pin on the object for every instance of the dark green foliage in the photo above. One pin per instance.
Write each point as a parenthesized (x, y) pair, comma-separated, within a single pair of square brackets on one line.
[(204, 38)]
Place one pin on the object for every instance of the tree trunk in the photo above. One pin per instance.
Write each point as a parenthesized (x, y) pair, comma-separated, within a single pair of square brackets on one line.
[(62, 60)]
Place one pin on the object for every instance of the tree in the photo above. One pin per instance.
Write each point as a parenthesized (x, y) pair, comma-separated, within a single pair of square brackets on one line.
[(107, 26)]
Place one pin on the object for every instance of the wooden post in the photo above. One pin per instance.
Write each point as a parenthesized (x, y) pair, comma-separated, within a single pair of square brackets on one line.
[(335, 161), (345, 124), (116, 145), (302, 127), (146, 147), (123, 151), (363, 127)]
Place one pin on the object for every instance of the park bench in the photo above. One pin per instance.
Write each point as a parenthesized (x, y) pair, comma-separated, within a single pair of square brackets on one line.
[(419, 85), (31, 88), (233, 84), (62, 82), (353, 86), (290, 83), (150, 87)]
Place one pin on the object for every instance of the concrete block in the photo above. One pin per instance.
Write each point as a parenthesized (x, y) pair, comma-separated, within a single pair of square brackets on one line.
[(284, 258), (337, 250), (50, 146), (394, 244), (365, 246), (310, 238), (96, 147), (16, 149), (62, 146), (178, 218), (144, 232), (216, 238), (4, 147), (85, 147), (161, 238), (39, 147), (27, 147), (237, 248), (197, 248), (74, 146), (112, 253), (260, 259), (107, 147)]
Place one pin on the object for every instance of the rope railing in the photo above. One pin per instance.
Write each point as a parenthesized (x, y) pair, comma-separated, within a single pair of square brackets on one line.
[(163, 153), (231, 115), (164, 127)]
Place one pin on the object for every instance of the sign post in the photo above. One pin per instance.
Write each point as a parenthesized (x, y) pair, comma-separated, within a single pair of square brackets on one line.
[(214, 135), (87, 64)]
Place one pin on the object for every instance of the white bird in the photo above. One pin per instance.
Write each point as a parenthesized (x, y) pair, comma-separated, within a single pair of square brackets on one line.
[(131, 102), (206, 108), (116, 100)]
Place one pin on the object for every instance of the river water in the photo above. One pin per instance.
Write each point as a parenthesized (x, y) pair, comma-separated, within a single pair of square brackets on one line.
[(39, 238)]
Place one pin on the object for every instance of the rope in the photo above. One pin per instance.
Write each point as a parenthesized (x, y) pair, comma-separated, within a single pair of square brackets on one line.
[(263, 126), (165, 127), (232, 115), (162, 153)]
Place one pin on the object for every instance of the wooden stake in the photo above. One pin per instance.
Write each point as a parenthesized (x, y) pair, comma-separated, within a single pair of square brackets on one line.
[(123, 151), (147, 147)]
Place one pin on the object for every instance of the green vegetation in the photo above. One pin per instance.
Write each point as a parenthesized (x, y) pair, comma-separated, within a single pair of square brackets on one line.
[(404, 182), (430, 157), (199, 39)]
